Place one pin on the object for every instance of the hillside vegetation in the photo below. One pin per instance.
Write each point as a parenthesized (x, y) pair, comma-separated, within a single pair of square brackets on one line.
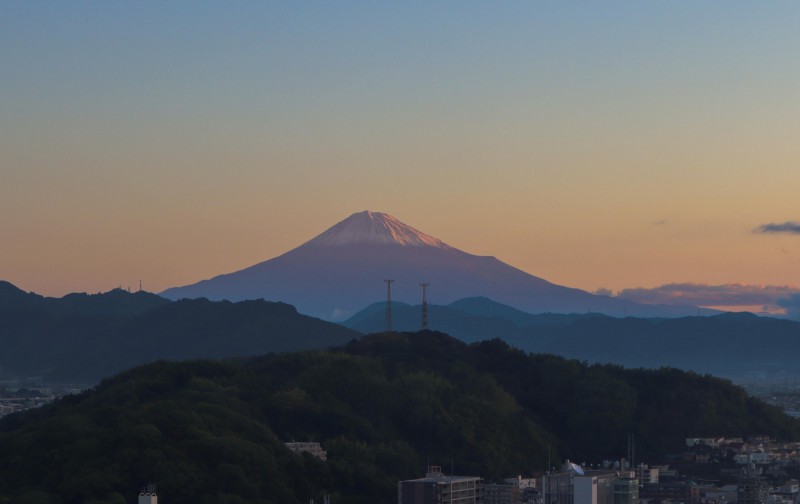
[(213, 432)]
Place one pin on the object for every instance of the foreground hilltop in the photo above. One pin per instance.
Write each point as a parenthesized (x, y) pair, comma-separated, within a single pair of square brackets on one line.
[(381, 407), (342, 270)]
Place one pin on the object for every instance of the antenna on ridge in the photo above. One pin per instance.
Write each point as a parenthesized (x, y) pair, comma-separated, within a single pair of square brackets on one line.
[(424, 306), (388, 305)]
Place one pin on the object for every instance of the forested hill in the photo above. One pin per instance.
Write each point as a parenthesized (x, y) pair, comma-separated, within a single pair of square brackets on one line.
[(83, 338), (382, 407)]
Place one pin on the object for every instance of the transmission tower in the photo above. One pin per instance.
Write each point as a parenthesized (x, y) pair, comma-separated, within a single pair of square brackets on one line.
[(388, 305), (424, 306)]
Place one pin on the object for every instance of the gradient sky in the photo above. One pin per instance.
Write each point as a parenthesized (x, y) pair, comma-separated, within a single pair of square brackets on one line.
[(594, 144)]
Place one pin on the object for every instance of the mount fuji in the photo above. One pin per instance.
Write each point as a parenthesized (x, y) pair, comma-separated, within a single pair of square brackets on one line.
[(342, 270)]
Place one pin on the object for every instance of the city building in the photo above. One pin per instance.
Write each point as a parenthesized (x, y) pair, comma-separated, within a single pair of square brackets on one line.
[(574, 485), (147, 495), (528, 488), (718, 495), (626, 491), (437, 488), (752, 489), (712, 442), (505, 493), (558, 488), (757, 457), (647, 474), (312, 448), (684, 492)]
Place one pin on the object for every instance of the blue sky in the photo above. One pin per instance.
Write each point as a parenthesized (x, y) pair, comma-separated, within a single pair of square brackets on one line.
[(616, 145)]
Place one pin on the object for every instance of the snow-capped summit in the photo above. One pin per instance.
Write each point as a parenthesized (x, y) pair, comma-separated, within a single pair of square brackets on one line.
[(343, 270), (375, 228)]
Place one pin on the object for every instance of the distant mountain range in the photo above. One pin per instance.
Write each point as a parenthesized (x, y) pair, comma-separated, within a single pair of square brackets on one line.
[(468, 319), (83, 338), (735, 345), (343, 269)]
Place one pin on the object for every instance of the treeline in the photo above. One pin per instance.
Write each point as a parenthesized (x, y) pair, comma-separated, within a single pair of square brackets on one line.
[(382, 407)]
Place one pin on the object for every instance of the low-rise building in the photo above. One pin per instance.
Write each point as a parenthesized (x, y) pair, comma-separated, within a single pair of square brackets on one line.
[(314, 449), (752, 489), (528, 488), (437, 488), (758, 457), (503, 493), (148, 495), (712, 442), (647, 474), (626, 491), (575, 485), (684, 492)]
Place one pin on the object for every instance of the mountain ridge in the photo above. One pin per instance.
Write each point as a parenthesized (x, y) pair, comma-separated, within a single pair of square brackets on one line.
[(683, 342), (343, 269), (82, 337)]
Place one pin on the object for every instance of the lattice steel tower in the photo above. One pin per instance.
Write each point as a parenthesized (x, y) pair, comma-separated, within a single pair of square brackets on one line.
[(388, 305), (424, 306)]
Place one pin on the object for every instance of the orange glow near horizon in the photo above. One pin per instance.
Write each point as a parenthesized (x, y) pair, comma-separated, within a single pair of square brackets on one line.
[(613, 146)]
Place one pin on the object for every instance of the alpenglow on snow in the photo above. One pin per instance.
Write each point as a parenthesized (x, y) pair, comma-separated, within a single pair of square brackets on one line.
[(342, 270)]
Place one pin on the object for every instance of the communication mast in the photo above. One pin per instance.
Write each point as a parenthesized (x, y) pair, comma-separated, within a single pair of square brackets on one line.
[(388, 305), (424, 306)]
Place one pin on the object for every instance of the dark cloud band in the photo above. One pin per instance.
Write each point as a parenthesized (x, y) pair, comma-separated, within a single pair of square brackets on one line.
[(711, 295), (786, 227)]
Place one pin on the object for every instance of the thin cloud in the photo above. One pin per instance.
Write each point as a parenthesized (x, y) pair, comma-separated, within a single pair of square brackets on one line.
[(712, 295), (789, 227)]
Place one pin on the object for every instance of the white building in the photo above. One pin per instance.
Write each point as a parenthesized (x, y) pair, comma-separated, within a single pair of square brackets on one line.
[(712, 442), (313, 448), (148, 495), (754, 458)]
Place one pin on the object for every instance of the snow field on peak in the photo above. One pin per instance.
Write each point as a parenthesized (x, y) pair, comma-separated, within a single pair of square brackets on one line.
[(376, 228)]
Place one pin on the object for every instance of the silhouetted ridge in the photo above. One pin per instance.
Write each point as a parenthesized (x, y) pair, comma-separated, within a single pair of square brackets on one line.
[(13, 298), (83, 337), (741, 343)]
